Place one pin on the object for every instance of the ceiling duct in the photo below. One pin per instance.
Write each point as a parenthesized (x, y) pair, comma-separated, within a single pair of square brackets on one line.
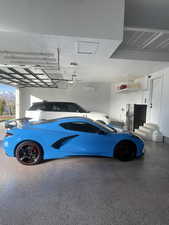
[(87, 47)]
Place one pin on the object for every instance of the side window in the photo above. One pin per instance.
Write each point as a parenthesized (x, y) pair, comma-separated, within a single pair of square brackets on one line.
[(33, 107), (80, 126), (39, 106), (42, 107), (47, 107), (72, 108), (56, 107)]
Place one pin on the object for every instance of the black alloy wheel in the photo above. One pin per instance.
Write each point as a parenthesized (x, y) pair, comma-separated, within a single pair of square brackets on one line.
[(125, 151), (29, 153)]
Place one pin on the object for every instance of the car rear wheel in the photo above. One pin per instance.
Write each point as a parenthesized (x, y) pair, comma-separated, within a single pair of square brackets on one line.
[(125, 151), (29, 153)]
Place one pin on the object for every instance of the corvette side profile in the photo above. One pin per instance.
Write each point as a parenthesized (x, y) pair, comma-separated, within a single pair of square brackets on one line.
[(33, 142)]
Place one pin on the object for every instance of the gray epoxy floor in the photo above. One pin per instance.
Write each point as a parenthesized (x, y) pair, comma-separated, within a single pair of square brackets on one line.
[(87, 191)]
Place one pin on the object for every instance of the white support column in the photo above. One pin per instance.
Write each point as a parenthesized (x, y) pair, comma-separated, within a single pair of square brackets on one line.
[(22, 101), (18, 103)]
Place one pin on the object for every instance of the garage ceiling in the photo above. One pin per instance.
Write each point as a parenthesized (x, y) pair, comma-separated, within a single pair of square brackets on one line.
[(88, 32), (88, 59)]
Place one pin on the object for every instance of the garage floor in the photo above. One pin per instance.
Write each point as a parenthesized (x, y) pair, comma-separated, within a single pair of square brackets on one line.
[(87, 191)]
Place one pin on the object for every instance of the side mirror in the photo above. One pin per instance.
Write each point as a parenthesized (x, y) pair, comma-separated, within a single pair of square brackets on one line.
[(10, 124)]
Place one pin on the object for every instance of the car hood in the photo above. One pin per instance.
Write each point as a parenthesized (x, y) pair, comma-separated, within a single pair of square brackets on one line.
[(98, 114)]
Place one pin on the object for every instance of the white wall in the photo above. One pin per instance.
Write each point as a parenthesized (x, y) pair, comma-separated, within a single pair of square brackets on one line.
[(92, 96), (119, 101)]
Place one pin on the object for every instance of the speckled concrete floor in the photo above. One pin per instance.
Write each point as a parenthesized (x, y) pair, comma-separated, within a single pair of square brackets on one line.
[(87, 191)]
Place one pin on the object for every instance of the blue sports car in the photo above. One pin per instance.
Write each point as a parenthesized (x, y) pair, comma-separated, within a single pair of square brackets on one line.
[(33, 142)]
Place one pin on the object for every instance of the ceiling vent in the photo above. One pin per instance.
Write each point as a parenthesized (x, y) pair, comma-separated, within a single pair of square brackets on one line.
[(87, 47)]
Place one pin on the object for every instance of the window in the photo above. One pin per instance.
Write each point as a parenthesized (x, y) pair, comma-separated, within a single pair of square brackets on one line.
[(53, 107), (37, 106), (65, 107), (57, 107), (80, 126)]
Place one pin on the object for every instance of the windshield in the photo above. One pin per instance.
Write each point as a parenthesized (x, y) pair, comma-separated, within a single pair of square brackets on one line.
[(106, 128)]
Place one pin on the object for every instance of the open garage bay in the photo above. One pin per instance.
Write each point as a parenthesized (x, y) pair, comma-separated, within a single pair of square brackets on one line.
[(87, 191)]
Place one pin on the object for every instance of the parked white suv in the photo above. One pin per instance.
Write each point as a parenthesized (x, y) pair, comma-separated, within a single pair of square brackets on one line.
[(52, 110)]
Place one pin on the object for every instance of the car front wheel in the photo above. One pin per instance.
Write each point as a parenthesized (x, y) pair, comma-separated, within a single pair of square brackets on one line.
[(29, 153), (125, 151)]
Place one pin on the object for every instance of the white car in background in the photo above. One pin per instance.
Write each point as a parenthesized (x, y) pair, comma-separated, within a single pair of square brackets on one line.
[(53, 110)]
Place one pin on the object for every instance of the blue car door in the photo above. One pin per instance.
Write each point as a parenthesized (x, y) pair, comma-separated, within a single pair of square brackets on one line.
[(88, 140), (96, 144)]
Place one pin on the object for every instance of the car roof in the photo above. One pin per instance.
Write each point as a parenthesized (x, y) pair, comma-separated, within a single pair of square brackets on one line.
[(70, 119), (53, 102)]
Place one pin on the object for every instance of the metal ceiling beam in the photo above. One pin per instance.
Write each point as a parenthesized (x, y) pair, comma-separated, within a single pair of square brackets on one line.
[(22, 75), (4, 82), (11, 77), (36, 76), (24, 80), (48, 76), (10, 80)]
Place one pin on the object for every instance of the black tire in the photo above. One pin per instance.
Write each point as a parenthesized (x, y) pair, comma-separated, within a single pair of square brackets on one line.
[(125, 151), (29, 153)]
